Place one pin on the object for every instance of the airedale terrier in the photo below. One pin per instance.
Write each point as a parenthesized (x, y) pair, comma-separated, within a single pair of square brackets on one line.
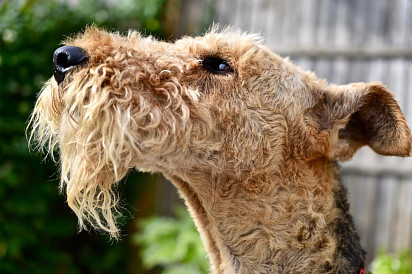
[(250, 141)]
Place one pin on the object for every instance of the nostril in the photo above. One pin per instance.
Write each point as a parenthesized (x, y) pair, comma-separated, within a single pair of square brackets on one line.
[(65, 58), (61, 60)]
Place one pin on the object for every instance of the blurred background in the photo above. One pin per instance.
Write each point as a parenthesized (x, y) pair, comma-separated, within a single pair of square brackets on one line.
[(342, 40)]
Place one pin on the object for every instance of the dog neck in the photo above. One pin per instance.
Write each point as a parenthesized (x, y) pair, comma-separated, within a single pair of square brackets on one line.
[(298, 219)]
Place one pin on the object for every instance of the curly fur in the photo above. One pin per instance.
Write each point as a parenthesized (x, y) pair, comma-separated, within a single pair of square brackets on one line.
[(252, 152)]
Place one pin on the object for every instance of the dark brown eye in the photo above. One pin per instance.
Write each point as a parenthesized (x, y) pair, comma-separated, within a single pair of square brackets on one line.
[(216, 65)]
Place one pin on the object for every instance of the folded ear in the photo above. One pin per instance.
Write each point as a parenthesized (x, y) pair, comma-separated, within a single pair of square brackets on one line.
[(350, 116)]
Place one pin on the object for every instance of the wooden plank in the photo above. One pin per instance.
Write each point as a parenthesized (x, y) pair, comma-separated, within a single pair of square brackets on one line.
[(371, 187), (362, 194), (376, 70), (408, 88), (246, 10), (394, 186), (324, 6), (243, 10), (357, 71), (258, 15), (408, 214), (342, 35), (359, 10), (197, 10), (376, 168), (275, 24), (232, 12), (236, 9), (385, 207), (396, 77), (408, 23), (307, 37), (305, 63), (340, 71), (221, 11), (403, 224), (323, 68), (375, 21), (399, 20), (347, 52), (192, 17), (291, 27)]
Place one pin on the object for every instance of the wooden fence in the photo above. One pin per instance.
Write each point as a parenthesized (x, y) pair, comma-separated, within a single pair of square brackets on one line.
[(343, 41)]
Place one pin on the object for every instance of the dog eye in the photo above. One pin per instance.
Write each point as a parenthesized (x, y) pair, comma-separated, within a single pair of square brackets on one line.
[(216, 65)]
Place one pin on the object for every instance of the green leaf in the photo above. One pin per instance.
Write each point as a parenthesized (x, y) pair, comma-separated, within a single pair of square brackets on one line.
[(392, 264), (173, 244)]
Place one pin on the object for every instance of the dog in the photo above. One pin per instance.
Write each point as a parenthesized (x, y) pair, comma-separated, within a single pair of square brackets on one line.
[(250, 141)]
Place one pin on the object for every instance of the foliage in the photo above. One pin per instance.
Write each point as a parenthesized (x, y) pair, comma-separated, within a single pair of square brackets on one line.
[(172, 244), (392, 264), (36, 228)]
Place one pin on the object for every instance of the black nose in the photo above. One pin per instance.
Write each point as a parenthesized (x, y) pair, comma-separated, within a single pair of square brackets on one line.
[(65, 58)]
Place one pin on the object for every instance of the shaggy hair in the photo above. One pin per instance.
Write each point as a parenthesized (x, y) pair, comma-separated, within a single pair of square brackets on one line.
[(252, 150)]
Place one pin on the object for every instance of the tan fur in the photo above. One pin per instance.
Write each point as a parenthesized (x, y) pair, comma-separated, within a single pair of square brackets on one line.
[(252, 152)]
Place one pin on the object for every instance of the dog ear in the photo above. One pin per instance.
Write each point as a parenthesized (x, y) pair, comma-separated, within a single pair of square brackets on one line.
[(350, 116)]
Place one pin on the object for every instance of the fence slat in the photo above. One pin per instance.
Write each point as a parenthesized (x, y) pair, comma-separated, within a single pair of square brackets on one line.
[(403, 224)]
